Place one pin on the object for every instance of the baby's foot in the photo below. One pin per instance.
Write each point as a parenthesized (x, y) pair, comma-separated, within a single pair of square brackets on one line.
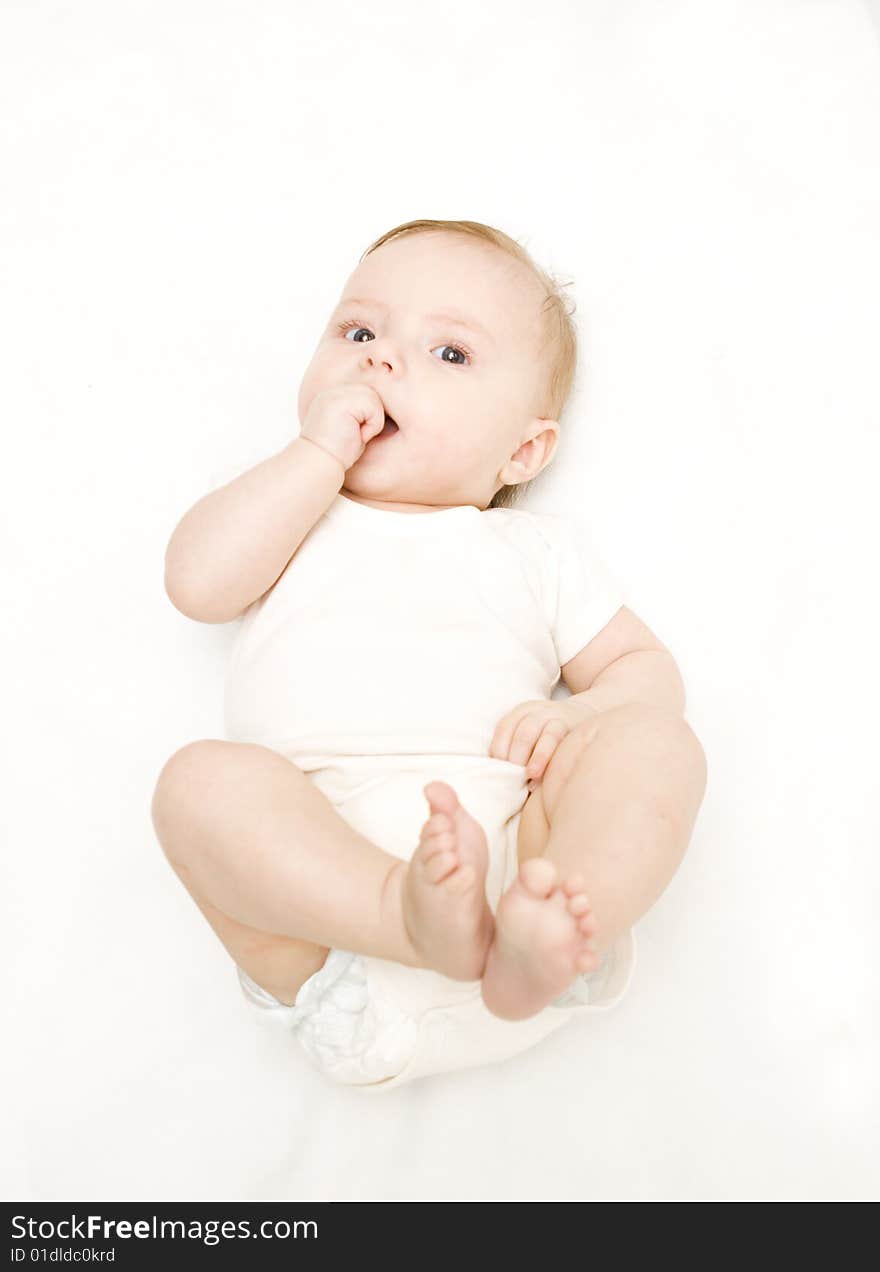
[(543, 930), (444, 892)]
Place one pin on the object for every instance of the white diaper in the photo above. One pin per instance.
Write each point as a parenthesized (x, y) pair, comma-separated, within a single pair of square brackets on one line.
[(350, 1035), (374, 1024)]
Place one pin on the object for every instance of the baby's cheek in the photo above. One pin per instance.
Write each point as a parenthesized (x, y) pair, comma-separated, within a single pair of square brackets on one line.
[(462, 449)]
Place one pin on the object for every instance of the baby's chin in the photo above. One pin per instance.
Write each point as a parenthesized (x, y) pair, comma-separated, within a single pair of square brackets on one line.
[(377, 481), (381, 461)]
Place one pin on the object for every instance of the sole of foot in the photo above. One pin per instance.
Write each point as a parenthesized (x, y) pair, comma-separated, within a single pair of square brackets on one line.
[(544, 930)]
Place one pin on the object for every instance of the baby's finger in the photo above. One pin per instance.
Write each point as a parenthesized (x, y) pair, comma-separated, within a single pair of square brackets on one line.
[(525, 735), (538, 762), (503, 739), (551, 735)]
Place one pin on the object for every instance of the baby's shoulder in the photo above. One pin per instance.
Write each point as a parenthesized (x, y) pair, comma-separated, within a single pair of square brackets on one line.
[(537, 534)]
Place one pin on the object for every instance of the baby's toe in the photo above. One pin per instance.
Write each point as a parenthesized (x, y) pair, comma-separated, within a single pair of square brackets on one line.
[(436, 824), (573, 884), (439, 866), (587, 925), (538, 875), (432, 844), (578, 904)]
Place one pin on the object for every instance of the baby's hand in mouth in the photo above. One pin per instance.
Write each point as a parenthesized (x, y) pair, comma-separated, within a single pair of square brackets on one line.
[(390, 427)]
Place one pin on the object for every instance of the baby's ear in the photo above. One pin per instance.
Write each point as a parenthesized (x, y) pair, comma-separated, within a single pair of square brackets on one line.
[(533, 454), (545, 435)]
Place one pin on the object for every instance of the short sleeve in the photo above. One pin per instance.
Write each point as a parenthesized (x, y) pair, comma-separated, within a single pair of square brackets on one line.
[(583, 594)]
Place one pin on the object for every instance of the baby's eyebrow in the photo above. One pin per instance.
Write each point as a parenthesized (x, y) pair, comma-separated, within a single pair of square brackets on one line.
[(446, 315)]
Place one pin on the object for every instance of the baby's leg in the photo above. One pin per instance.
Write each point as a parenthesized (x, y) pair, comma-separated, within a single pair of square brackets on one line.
[(279, 964), (620, 796), (276, 871)]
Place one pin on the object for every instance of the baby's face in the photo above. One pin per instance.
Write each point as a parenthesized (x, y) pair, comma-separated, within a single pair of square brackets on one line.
[(462, 389)]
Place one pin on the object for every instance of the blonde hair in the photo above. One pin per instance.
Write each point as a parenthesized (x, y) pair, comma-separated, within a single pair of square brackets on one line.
[(558, 346)]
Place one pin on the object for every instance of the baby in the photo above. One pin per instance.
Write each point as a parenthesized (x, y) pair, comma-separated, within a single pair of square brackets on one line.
[(401, 620)]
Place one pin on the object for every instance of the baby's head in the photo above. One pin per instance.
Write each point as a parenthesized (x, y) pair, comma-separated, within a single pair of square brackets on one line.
[(472, 350)]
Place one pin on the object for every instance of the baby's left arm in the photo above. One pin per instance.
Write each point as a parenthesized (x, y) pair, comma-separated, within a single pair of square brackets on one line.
[(625, 662)]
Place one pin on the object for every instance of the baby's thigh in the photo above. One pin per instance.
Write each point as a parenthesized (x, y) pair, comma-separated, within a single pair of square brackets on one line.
[(279, 964)]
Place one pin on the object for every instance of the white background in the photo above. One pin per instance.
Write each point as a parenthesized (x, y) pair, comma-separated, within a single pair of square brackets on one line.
[(186, 187)]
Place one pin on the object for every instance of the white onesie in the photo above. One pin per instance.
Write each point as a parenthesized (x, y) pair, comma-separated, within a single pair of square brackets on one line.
[(394, 633)]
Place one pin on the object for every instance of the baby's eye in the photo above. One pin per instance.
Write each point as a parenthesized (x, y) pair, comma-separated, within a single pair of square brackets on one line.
[(345, 327), (465, 353)]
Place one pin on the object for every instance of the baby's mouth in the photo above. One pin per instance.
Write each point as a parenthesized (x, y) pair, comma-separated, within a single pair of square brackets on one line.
[(390, 427)]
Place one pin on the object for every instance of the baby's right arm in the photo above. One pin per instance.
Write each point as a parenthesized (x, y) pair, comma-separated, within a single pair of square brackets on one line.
[(233, 545)]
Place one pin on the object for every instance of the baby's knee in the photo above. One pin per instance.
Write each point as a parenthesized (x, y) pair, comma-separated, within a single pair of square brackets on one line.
[(187, 764), (184, 775)]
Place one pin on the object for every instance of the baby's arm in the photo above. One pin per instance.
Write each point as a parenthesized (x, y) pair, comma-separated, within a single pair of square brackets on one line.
[(233, 544)]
